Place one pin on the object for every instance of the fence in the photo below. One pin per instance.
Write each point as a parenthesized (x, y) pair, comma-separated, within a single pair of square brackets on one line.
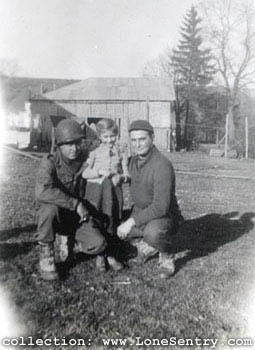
[(218, 137)]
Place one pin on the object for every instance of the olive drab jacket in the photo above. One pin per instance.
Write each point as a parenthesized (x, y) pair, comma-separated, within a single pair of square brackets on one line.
[(59, 181)]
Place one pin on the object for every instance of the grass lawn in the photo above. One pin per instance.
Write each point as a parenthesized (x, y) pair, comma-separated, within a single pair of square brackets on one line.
[(207, 297)]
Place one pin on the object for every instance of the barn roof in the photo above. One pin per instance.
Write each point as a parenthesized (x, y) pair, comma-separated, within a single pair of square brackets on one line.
[(121, 89)]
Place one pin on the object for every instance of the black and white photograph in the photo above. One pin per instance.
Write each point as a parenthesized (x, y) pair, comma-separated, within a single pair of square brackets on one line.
[(127, 174)]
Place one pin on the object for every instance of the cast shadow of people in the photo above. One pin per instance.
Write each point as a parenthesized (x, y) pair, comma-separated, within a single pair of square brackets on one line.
[(204, 235), (16, 231), (9, 251)]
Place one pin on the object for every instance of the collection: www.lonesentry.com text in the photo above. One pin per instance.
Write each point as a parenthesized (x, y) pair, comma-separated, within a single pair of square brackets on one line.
[(137, 341)]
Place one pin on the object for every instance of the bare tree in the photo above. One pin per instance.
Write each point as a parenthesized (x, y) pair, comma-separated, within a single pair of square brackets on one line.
[(153, 68), (230, 30)]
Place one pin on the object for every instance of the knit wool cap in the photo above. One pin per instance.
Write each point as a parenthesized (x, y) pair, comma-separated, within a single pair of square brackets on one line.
[(141, 125)]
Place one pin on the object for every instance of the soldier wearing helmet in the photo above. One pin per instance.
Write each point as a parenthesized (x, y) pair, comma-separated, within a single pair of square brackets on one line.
[(62, 211)]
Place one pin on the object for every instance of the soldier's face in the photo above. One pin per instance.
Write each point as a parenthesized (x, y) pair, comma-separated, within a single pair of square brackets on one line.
[(71, 150), (141, 142)]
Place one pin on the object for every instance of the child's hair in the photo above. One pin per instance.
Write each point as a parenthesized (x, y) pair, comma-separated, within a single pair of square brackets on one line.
[(106, 124)]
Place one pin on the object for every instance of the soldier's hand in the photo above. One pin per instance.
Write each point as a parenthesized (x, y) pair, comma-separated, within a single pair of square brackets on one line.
[(82, 211), (116, 179), (124, 229)]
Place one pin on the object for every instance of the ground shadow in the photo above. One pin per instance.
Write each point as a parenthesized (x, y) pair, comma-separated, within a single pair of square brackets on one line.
[(9, 251), (16, 231), (203, 235), (64, 268)]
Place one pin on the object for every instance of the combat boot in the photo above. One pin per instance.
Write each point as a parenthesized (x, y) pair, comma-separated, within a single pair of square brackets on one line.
[(114, 264), (166, 265), (144, 250), (47, 267), (100, 263)]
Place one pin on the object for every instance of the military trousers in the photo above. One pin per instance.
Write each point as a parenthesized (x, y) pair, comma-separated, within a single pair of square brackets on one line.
[(157, 233), (53, 219)]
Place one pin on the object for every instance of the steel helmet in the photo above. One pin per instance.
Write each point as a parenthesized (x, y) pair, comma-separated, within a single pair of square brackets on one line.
[(68, 130)]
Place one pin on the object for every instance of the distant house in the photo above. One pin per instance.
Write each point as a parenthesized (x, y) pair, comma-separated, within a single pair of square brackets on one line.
[(16, 92), (123, 99)]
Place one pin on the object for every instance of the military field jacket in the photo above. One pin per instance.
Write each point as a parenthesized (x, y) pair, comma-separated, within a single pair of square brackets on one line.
[(59, 182)]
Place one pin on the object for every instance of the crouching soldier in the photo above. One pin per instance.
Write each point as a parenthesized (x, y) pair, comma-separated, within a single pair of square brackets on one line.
[(59, 193), (156, 215)]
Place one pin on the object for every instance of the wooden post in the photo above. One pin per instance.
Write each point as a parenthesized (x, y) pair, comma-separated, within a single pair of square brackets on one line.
[(29, 93), (117, 122), (90, 110), (119, 126), (226, 136), (217, 137), (128, 119), (173, 143), (31, 127), (148, 108), (170, 129), (123, 123), (53, 141), (168, 147), (246, 138), (127, 126)]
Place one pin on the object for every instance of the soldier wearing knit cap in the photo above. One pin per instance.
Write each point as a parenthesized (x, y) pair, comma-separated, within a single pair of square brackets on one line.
[(155, 215)]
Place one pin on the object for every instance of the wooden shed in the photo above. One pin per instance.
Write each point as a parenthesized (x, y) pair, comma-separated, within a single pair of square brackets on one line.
[(123, 99)]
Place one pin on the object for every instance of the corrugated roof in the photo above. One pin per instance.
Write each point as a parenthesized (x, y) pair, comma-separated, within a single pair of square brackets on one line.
[(115, 89)]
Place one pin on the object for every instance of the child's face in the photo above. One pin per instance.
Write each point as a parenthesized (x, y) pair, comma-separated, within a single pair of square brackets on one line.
[(108, 138)]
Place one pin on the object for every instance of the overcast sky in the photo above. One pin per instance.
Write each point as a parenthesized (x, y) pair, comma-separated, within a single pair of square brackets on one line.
[(83, 38)]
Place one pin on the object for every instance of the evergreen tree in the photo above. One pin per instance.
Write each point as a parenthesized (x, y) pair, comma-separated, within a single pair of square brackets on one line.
[(192, 69)]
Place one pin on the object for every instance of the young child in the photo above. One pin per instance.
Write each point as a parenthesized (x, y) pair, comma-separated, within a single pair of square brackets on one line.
[(105, 170)]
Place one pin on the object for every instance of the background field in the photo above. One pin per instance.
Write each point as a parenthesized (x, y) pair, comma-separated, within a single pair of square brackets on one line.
[(207, 297)]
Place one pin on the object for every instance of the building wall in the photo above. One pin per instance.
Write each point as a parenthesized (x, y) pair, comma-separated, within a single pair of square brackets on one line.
[(123, 112)]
